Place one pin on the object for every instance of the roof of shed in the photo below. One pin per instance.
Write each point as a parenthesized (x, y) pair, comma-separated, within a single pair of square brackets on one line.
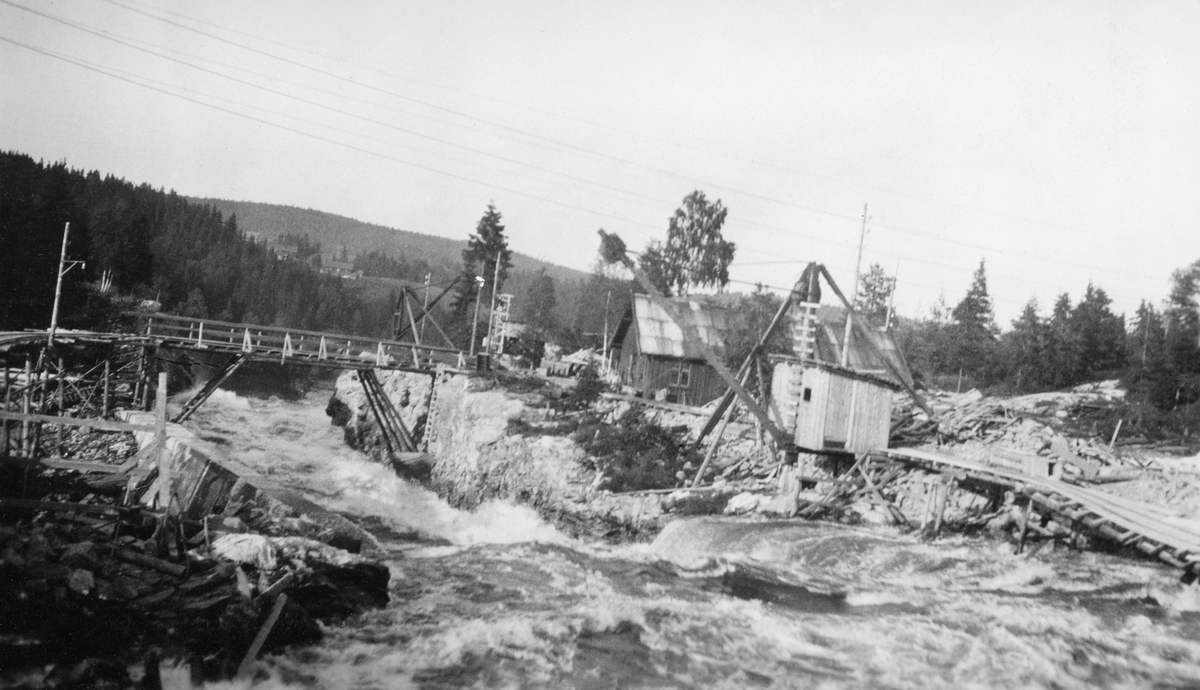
[(659, 335), (829, 339)]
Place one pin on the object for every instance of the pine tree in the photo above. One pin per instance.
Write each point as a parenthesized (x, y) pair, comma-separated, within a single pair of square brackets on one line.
[(479, 259), (1099, 335), (1025, 349), (1062, 348), (973, 332)]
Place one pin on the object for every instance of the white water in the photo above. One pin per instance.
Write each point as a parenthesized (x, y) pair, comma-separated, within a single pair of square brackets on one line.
[(497, 598)]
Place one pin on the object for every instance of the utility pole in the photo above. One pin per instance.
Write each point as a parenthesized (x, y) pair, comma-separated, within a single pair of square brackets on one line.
[(63, 267), (495, 289), (425, 305), (475, 319), (862, 236)]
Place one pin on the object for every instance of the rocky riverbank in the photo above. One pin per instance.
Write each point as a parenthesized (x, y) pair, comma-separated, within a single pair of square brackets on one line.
[(97, 588), (488, 437)]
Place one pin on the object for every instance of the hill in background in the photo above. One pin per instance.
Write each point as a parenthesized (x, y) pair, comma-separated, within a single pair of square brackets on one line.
[(444, 255)]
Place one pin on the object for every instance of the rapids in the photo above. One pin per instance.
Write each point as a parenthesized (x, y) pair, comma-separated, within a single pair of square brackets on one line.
[(497, 598)]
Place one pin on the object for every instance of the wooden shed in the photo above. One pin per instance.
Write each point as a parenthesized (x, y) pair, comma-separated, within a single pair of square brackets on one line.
[(825, 405), (651, 356), (830, 407)]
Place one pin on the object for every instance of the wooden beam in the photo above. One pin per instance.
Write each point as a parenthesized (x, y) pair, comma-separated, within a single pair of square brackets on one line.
[(690, 334), (866, 337), (98, 424), (727, 397)]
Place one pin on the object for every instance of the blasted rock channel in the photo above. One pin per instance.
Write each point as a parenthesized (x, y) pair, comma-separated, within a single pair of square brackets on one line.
[(475, 452)]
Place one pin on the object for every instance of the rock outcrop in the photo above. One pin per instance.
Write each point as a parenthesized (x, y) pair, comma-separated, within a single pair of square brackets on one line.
[(478, 454)]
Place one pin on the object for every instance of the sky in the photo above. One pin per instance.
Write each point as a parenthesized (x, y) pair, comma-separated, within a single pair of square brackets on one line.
[(1058, 142)]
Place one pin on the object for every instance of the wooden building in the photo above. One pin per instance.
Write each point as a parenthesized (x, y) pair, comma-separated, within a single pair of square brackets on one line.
[(826, 405), (650, 355), (830, 407)]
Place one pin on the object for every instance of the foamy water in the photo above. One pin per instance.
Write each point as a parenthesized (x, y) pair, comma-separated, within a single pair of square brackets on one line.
[(497, 598)]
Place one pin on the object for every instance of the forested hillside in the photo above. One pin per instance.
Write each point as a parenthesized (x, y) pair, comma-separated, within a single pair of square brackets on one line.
[(154, 245), (442, 255)]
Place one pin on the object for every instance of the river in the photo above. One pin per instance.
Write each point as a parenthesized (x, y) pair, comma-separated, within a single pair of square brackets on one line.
[(497, 598)]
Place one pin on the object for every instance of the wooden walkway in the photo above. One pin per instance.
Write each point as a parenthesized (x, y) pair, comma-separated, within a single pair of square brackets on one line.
[(1152, 530), (252, 342), (283, 345)]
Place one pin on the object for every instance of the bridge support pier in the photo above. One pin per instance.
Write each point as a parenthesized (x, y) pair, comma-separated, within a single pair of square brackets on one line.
[(395, 435)]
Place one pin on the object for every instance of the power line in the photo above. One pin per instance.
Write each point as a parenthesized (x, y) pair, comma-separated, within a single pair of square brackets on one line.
[(330, 108), (629, 193), (314, 136), (747, 221)]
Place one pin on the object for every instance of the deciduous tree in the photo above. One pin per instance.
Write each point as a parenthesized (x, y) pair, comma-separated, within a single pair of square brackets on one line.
[(695, 253)]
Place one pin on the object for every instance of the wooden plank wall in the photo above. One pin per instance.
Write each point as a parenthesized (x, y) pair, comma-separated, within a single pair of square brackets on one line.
[(810, 418), (871, 417)]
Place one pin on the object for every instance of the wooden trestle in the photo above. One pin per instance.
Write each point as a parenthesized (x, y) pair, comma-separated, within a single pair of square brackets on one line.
[(395, 435), (1152, 530)]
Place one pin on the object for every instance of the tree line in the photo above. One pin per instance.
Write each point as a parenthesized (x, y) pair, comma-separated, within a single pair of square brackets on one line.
[(1156, 353), (153, 245)]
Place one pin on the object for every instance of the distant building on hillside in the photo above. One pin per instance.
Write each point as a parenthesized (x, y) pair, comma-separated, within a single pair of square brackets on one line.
[(285, 252), (341, 269)]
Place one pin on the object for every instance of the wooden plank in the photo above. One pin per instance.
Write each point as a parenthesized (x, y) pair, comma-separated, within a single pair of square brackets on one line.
[(673, 407), (261, 638), (97, 424)]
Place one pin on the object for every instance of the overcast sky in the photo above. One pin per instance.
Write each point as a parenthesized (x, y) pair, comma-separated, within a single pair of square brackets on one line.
[(1059, 141)]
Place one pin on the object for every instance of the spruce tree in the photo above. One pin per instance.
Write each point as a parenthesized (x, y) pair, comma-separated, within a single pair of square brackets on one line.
[(479, 259)]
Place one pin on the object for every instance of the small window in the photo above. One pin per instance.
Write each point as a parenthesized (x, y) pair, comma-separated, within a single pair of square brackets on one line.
[(681, 375), (807, 395)]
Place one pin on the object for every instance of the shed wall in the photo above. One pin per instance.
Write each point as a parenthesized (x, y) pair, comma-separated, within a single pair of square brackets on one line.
[(841, 412)]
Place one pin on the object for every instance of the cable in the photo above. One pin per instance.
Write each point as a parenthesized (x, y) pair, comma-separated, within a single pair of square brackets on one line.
[(633, 194), (330, 108), (316, 136)]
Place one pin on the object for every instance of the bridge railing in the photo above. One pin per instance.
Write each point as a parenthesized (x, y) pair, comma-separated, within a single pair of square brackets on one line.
[(266, 342)]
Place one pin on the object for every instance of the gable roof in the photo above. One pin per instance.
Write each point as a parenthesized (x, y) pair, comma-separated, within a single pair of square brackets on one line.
[(659, 335), (832, 332)]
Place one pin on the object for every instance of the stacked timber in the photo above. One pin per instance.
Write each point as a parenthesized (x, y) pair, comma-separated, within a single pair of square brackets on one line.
[(1029, 424)]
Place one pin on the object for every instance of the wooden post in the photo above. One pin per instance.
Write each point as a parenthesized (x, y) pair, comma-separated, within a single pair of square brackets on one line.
[(43, 375), (7, 402), (104, 412), (691, 334), (1116, 432), (944, 499), (930, 492), (712, 449), (62, 259), (862, 236), (865, 336), (26, 407), (62, 411), (259, 639), (1025, 525), (492, 314), (165, 481)]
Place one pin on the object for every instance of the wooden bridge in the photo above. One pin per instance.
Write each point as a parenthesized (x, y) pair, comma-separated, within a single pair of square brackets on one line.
[(50, 385), (1056, 508)]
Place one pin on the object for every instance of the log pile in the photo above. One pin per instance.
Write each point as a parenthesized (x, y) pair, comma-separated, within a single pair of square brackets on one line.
[(90, 589), (1032, 424)]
